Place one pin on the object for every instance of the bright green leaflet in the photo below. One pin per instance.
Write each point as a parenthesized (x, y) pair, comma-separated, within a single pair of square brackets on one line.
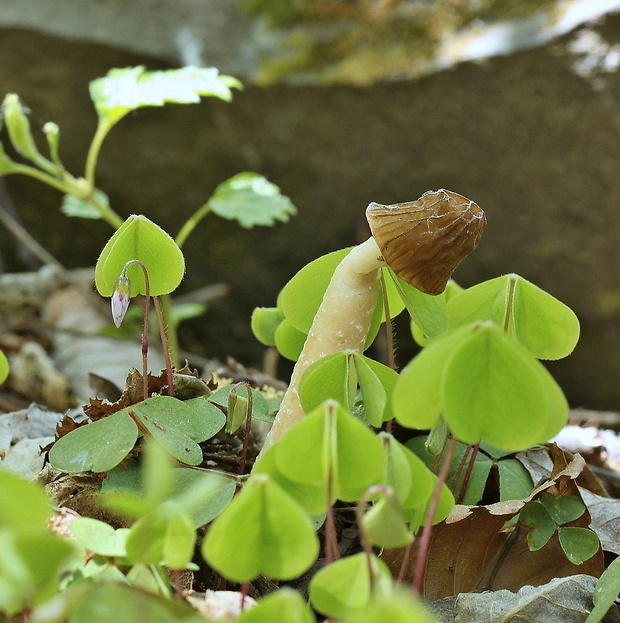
[(493, 389), (397, 608), (428, 312), (166, 536), (278, 537), (417, 516), (546, 327), (96, 447), (285, 605), (4, 367), (384, 523), (124, 90), (331, 443), (260, 406), (301, 297), (138, 238), (99, 537), (312, 497), (579, 544), (251, 200), (606, 592), (433, 325), (288, 340), (412, 481), (264, 323), (22, 495), (417, 400), (337, 376), (342, 589)]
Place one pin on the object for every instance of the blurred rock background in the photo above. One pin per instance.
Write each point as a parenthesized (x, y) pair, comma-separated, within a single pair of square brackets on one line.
[(513, 104)]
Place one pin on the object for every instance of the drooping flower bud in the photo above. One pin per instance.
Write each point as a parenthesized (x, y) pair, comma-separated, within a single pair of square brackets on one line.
[(120, 299), (18, 127)]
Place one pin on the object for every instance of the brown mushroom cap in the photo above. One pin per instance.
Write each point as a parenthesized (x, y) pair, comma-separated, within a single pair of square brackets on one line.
[(423, 241)]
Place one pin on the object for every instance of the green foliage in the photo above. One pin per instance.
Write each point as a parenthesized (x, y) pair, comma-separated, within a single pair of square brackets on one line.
[(606, 592), (344, 588), (263, 531), (4, 367), (140, 239), (251, 200), (125, 90), (546, 516), (338, 376), (178, 426), (285, 605)]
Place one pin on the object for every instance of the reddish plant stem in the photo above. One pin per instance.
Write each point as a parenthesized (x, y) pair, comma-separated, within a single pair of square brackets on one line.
[(427, 531), (332, 551), (389, 335), (164, 343)]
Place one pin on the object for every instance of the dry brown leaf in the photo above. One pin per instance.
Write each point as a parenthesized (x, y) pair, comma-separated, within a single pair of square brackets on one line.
[(473, 550), (605, 514)]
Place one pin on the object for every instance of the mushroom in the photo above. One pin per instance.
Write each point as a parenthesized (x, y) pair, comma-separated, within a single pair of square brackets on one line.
[(422, 241)]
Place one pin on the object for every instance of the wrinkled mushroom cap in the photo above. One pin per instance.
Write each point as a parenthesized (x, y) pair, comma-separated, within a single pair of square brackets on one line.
[(423, 241)]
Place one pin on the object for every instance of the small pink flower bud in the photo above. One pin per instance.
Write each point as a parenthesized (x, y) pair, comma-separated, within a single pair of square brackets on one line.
[(120, 299)]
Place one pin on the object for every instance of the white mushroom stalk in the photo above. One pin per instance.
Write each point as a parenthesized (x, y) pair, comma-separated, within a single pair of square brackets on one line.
[(422, 241)]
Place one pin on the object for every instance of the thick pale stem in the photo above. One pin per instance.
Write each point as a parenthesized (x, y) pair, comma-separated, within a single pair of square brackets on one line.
[(341, 323)]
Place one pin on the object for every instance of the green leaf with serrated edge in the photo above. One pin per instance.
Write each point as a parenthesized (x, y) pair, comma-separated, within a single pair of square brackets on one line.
[(417, 401), (546, 327), (251, 200), (534, 514), (492, 389), (97, 447), (99, 537), (124, 90), (563, 509), (81, 208), (331, 441), (343, 589), (384, 523), (138, 238), (289, 341), (579, 544), (427, 311), (605, 592), (278, 537), (22, 495), (312, 497), (324, 379), (406, 473), (285, 605), (515, 482), (477, 478), (260, 406), (264, 322), (4, 367), (166, 535)]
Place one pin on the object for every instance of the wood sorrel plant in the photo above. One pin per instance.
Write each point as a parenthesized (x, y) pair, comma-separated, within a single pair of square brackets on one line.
[(247, 197)]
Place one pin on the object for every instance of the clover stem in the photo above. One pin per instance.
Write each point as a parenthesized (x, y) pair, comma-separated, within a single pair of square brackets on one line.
[(172, 337), (427, 531), (341, 323), (145, 323), (164, 343)]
